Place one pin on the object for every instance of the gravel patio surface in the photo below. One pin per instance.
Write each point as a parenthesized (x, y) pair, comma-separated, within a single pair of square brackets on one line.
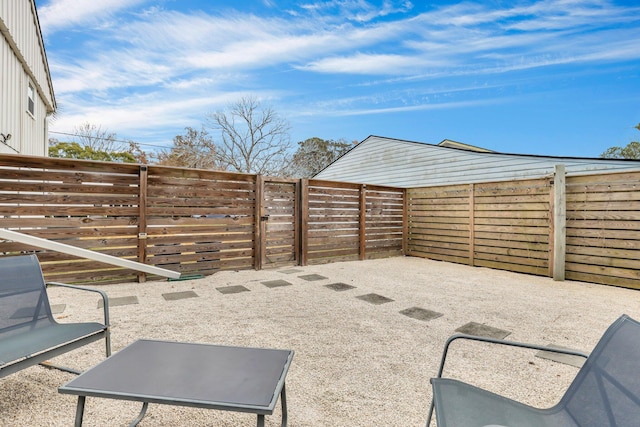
[(367, 337)]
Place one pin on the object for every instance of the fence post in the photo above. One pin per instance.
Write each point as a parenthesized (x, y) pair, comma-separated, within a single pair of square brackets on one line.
[(405, 221), (472, 223), (142, 220), (559, 222), (297, 222), (362, 250), (257, 226), (304, 221)]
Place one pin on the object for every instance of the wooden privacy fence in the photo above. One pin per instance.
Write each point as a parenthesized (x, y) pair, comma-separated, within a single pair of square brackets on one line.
[(583, 228), (192, 221), (198, 222)]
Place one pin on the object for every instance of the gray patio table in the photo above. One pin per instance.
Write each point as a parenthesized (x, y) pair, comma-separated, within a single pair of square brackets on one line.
[(241, 379)]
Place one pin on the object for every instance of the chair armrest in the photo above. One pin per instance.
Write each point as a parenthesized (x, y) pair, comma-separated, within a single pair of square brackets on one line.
[(503, 342), (105, 299)]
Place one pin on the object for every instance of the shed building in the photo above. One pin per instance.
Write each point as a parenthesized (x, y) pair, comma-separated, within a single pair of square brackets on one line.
[(407, 164), (26, 92)]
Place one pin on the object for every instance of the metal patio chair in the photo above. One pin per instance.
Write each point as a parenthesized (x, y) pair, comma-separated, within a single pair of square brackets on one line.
[(605, 392), (28, 332)]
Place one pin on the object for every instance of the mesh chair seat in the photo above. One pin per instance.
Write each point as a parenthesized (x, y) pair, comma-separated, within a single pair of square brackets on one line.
[(475, 407), (20, 345)]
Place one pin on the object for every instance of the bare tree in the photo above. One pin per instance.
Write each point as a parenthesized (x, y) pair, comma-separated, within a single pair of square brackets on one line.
[(254, 139), (194, 149), (92, 142), (94, 137)]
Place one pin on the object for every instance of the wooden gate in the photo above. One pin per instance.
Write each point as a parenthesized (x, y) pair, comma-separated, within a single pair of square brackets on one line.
[(280, 234)]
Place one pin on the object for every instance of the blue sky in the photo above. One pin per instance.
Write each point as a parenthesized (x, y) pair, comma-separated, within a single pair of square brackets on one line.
[(550, 77)]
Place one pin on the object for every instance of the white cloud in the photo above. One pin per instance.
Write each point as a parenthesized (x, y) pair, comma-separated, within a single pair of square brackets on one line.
[(355, 10), (146, 115), (419, 107), (60, 14), (371, 64)]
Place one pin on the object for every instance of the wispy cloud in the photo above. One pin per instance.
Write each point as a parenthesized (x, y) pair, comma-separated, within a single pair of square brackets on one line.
[(419, 107), (57, 15), (355, 10), (162, 45), (383, 64), (131, 116), (132, 60)]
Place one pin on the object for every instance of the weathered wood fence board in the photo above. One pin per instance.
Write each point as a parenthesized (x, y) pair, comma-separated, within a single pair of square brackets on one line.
[(510, 226), (603, 229), (439, 223), (89, 205), (502, 225), (351, 221), (199, 222), (384, 219), (280, 224), (333, 222), (512, 223)]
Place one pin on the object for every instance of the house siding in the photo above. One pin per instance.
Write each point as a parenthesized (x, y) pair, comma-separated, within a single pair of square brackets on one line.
[(386, 161), (23, 61)]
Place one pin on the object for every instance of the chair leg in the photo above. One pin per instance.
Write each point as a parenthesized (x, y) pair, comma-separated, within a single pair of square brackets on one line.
[(107, 342), (430, 414)]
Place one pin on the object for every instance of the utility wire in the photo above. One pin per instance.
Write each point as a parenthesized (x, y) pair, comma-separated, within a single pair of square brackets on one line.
[(115, 140)]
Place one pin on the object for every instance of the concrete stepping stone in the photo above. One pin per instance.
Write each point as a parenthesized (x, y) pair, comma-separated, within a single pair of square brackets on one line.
[(232, 289), (276, 283), (375, 299), (312, 277), (567, 359), (420, 313), (480, 330), (174, 296), (117, 301), (339, 286)]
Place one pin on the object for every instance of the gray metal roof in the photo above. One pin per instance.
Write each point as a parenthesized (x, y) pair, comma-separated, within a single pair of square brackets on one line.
[(393, 162)]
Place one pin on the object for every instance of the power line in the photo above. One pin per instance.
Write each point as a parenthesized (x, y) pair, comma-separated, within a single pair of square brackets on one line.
[(112, 139)]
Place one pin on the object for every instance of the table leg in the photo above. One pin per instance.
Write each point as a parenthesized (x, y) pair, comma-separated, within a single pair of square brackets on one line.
[(80, 411), (283, 402), (141, 415)]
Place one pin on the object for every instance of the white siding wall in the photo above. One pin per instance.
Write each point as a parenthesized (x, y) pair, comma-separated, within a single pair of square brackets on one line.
[(23, 61), (386, 161), (10, 93)]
